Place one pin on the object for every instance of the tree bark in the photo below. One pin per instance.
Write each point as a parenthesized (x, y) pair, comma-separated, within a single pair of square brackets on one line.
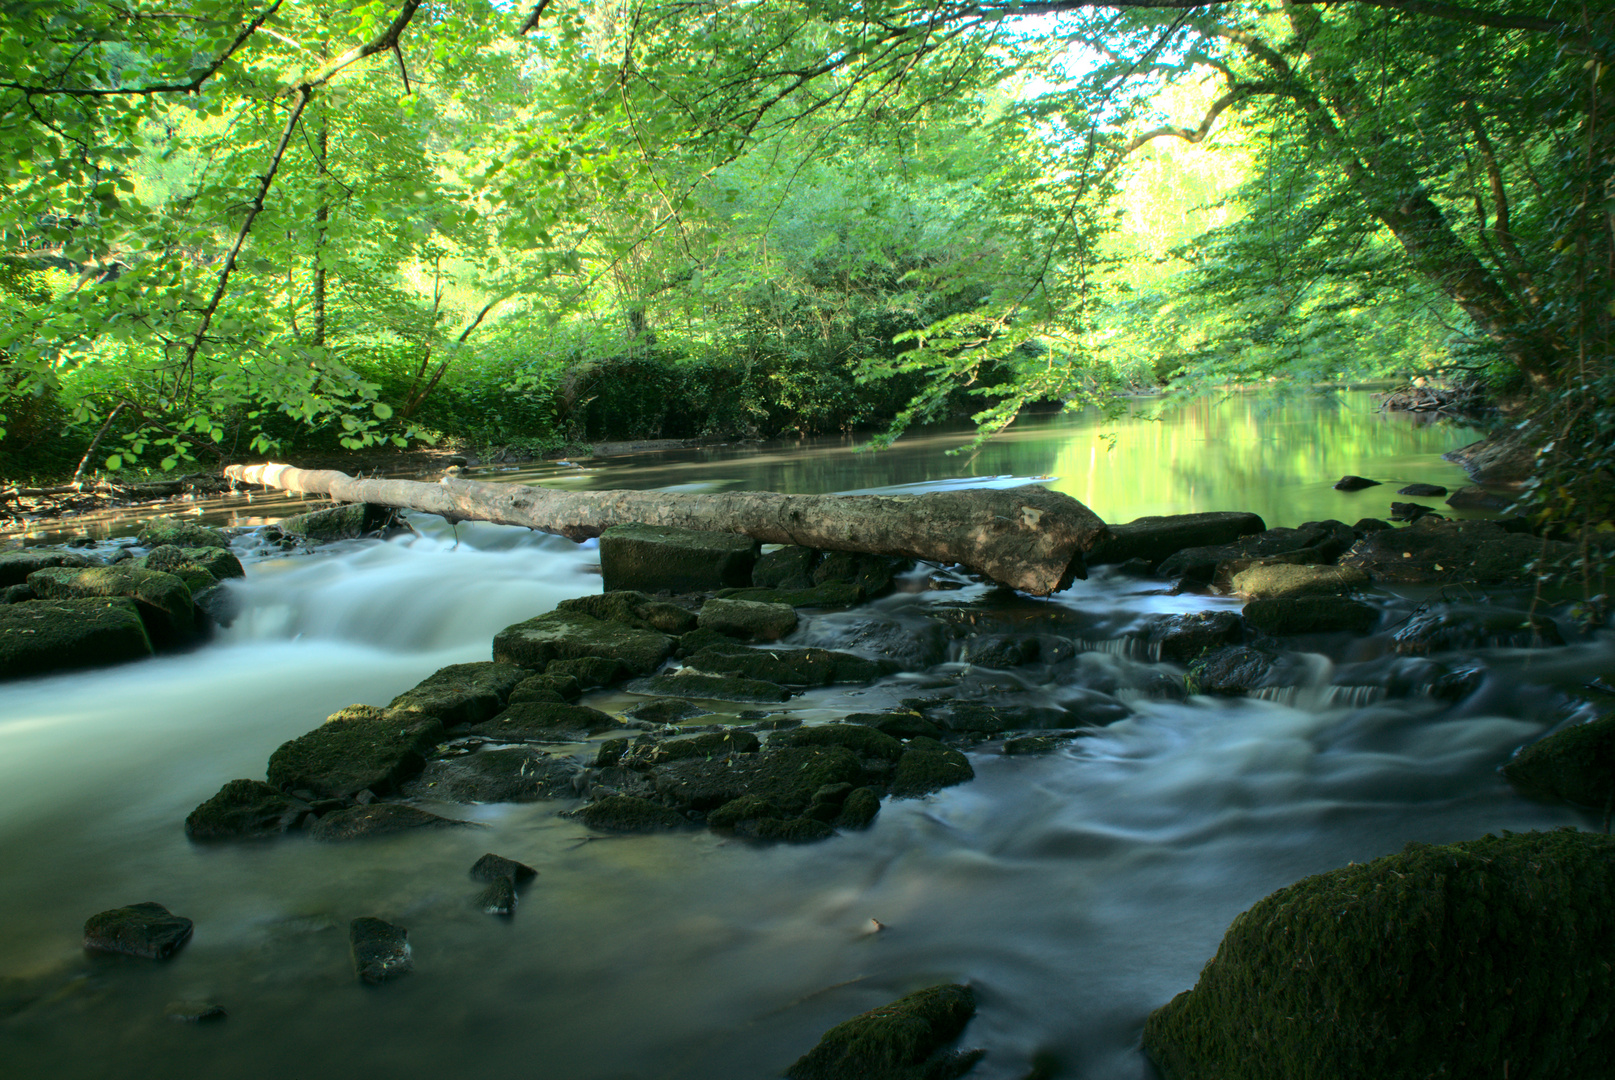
[(1028, 538)]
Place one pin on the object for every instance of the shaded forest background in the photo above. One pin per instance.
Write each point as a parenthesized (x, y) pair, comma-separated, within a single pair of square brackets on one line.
[(235, 230)]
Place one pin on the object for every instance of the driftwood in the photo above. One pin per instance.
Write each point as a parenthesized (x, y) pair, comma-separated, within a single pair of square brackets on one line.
[(1029, 538)]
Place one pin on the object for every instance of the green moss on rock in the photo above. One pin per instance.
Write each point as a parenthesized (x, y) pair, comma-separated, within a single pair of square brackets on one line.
[(590, 672), (180, 533), (629, 813), (696, 684), (348, 522), (462, 693), (357, 748), (1436, 962), (661, 558), (855, 737), (906, 1040), (245, 810), (1576, 765), (927, 766), (15, 566), (632, 609), (788, 667), (786, 777), (41, 636), (570, 635), (546, 721), (163, 600), (831, 594), (858, 810)]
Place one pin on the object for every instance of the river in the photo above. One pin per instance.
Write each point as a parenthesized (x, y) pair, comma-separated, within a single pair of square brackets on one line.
[(1075, 891)]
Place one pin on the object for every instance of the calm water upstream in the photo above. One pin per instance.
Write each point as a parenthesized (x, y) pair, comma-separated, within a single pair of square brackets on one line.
[(1075, 891)]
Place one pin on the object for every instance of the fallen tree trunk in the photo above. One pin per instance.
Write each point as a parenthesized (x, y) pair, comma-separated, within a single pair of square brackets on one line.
[(1029, 538)]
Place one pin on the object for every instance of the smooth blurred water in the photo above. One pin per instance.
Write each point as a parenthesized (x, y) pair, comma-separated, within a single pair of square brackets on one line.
[(1075, 891)]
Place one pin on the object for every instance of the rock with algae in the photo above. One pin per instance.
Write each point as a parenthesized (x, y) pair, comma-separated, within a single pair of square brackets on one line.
[(1440, 961), (908, 1039)]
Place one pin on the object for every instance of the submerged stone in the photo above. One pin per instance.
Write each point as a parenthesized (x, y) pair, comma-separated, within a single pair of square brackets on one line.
[(1310, 615), (1471, 626), (908, 1039), (499, 898), (1439, 961), (358, 748), (571, 635), (41, 636), (245, 810), (146, 930), (380, 950), (1575, 765), (659, 558), (462, 693), (377, 819)]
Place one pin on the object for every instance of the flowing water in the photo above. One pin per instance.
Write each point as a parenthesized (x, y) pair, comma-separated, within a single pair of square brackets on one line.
[(1075, 891)]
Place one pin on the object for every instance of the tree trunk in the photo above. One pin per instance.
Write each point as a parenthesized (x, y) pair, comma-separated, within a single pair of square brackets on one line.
[(1029, 538)]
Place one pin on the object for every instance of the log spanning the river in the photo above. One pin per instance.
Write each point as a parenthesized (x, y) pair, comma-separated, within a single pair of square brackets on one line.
[(1029, 538)]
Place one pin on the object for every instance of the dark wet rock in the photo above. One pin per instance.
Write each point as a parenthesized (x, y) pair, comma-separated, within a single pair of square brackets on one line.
[(696, 684), (831, 594), (1423, 491), (906, 1040), (244, 810), (1401, 511), (180, 533), (788, 568), (493, 867), (1355, 483), (462, 693), (195, 1012), (146, 930), (1310, 543), (693, 642), (350, 522), (789, 667), (748, 619), (798, 830), (568, 635), (1233, 670), (219, 563), (1154, 539), (999, 650), (1310, 615), (16, 594), (1438, 961), (1458, 683), (664, 711), (503, 774), (1269, 580), (589, 672), (994, 718), (633, 609), (498, 898), (826, 803), (380, 950), (611, 751), (862, 740), (358, 748), (871, 573), (1574, 765), (786, 777), (163, 600), (1095, 709), (546, 721), (628, 813), (743, 809), (1434, 551), (546, 687), (1181, 638), (1365, 526), (1033, 744), (377, 819), (710, 746), (913, 643), (927, 766), (218, 605), (1475, 497), (858, 810), (1471, 626), (41, 636), (904, 724), (658, 558), (15, 566)]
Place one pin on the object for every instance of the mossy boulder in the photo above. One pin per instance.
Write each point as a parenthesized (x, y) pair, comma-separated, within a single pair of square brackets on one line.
[(633, 609), (858, 809), (831, 594), (41, 636), (858, 738), (659, 558), (1438, 961), (462, 693), (1432, 551), (163, 600), (1575, 765), (380, 950), (349, 522), (1310, 615), (787, 777), (546, 687), (180, 533), (927, 766), (789, 667), (910, 1039), (1268, 580), (546, 721), (500, 774), (15, 566), (904, 724), (358, 748), (147, 930), (871, 573), (708, 746), (219, 563), (1181, 638), (691, 683), (629, 814), (1444, 627), (748, 619), (589, 672), (790, 567), (664, 711), (245, 810), (378, 819), (571, 635)]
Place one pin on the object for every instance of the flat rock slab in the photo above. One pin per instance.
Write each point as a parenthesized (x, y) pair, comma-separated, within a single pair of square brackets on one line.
[(15, 566), (659, 558), (41, 636), (245, 810), (462, 693), (163, 600), (505, 774), (629, 814), (377, 819), (634, 609), (358, 748), (1179, 639), (691, 683), (546, 721), (908, 1039), (181, 533), (1153, 539), (747, 619), (830, 594), (147, 930), (1310, 615), (788, 667), (1270, 580), (380, 950), (1431, 551), (1311, 542), (572, 635)]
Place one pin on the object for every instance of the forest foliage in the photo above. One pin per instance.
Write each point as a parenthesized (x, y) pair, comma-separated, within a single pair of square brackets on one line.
[(230, 229)]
